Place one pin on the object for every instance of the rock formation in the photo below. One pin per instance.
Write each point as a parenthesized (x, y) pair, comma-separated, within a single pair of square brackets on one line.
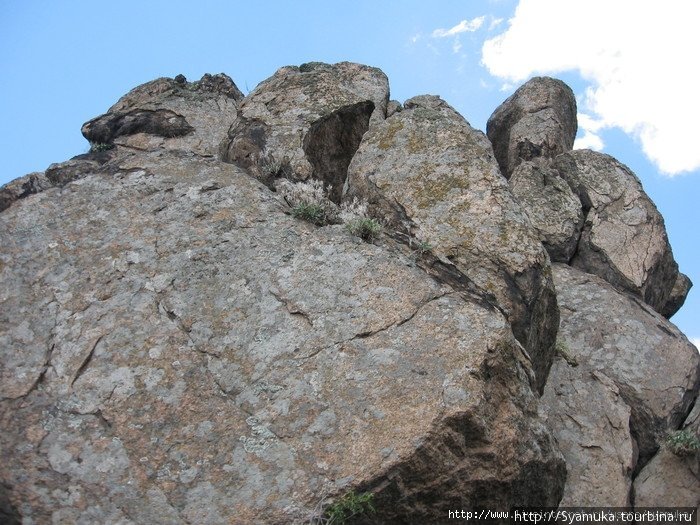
[(624, 376), (179, 346)]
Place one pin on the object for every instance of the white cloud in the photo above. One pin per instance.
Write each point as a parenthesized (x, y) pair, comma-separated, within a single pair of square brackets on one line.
[(639, 57), (495, 22), (465, 26), (591, 138), (696, 342)]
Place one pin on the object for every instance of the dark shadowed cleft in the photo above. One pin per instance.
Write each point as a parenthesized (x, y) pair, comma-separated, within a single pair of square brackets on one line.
[(333, 140), (247, 140), (162, 122)]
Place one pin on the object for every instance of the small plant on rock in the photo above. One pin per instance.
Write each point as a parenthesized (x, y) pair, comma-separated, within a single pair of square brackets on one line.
[(270, 167), (308, 200), (313, 213), (97, 147), (349, 506), (683, 443), (365, 228)]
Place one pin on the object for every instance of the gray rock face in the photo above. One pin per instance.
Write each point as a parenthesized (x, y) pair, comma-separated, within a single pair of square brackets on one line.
[(167, 114), (591, 421), (21, 188), (307, 121), (669, 479), (538, 120), (430, 174), (552, 207), (176, 348), (629, 377), (624, 238), (677, 296)]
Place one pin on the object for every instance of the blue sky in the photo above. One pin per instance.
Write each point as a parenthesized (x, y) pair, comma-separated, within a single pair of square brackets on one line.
[(64, 62)]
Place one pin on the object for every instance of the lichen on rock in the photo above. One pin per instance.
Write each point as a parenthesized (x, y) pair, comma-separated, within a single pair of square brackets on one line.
[(178, 346)]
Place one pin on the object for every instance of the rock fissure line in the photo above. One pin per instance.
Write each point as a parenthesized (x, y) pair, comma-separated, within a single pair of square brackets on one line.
[(86, 360)]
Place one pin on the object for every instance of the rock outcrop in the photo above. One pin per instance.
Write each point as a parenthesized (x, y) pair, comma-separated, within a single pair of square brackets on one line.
[(538, 120), (307, 122), (434, 178), (169, 114), (178, 346), (603, 223), (672, 478), (624, 377)]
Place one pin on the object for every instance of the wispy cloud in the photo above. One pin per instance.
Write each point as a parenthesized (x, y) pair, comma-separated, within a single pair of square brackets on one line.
[(495, 22), (465, 26), (642, 75), (696, 342)]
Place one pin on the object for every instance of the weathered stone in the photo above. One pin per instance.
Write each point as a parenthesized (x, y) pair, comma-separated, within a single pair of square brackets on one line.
[(624, 238), (309, 119), (655, 367), (170, 114), (554, 211), (538, 120), (21, 188), (176, 348), (394, 106), (677, 296), (585, 411), (429, 173), (669, 480)]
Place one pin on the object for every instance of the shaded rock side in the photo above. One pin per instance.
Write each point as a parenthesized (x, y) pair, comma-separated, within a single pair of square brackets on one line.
[(671, 480), (429, 174), (552, 207), (624, 238), (538, 120), (176, 348), (676, 298), (307, 121), (619, 348), (170, 114)]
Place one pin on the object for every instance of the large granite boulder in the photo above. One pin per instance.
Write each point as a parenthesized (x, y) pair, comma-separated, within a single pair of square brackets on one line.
[(591, 421), (429, 174), (175, 347), (307, 121), (624, 238), (554, 210), (169, 114), (625, 378), (538, 120)]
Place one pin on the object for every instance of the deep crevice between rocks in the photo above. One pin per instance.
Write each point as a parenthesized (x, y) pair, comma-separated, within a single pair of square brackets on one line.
[(333, 140)]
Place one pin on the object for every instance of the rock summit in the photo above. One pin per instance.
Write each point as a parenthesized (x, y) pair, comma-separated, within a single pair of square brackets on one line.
[(314, 301)]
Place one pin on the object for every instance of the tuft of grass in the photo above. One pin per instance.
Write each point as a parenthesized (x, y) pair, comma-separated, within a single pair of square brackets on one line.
[(311, 212), (96, 147), (272, 168), (349, 506), (365, 228), (423, 247), (683, 443)]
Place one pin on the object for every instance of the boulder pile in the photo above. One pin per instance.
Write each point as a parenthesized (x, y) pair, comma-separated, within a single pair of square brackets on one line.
[(256, 309)]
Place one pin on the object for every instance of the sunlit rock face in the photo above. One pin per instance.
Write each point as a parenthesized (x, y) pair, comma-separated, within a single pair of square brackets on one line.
[(178, 345)]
